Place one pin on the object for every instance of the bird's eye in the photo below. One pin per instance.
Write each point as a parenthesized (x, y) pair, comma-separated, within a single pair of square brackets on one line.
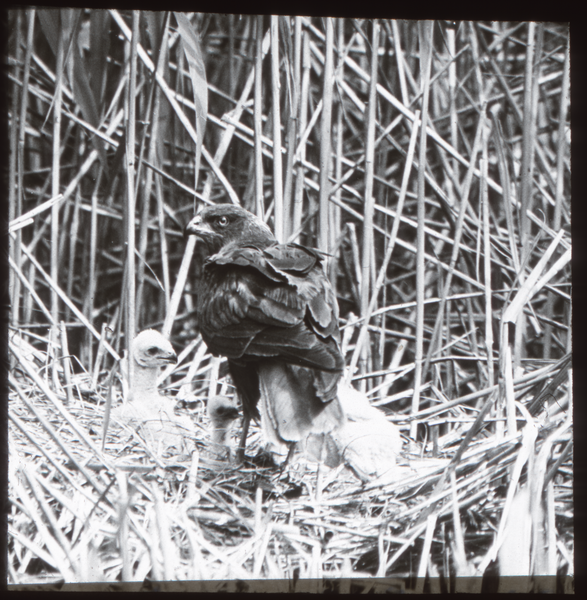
[(222, 221), (152, 351)]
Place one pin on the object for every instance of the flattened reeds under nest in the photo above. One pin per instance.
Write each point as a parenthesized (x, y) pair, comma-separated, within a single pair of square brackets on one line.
[(126, 514)]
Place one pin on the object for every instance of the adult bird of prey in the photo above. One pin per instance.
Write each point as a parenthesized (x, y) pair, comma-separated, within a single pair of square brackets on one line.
[(270, 309)]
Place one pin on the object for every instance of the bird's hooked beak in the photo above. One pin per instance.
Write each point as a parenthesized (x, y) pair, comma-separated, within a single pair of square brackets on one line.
[(200, 229), (170, 357)]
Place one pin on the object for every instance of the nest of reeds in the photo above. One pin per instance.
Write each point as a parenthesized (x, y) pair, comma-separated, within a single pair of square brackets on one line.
[(80, 514)]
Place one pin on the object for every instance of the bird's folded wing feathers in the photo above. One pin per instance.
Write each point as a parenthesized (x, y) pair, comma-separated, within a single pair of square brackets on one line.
[(271, 302)]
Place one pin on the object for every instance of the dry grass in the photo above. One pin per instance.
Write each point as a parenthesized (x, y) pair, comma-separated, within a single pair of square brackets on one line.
[(441, 191)]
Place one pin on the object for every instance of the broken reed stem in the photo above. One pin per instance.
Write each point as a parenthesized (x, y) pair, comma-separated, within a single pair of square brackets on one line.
[(163, 243), (66, 362), (526, 176), (123, 525), (31, 290)]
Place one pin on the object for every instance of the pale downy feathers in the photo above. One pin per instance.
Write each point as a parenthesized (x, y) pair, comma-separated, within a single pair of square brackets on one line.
[(147, 411), (368, 443), (222, 413)]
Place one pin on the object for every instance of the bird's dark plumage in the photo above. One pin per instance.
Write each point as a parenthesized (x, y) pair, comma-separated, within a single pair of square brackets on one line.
[(270, 309)]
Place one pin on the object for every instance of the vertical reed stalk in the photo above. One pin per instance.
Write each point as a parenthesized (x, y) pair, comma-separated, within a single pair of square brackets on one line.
[(526, 175), (258, 118), (399, 57), (303, 118), (231, 80), (560, 186), (163, 243), (72, 247), (390, 246), (92, 275), (325, 135), (152, 116), (457, 240), (486, 253), (527, 145), (66, 362), (452, 98), (277, 167), (425, 31), (123, 525), (368, 199), (55, 171), (21, 165), (294, 99), (12, 164), (506, 186), (335, 210), (130, 174), (561, 141)]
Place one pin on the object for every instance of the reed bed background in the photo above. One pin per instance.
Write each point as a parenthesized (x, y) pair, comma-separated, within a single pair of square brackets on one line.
[(430, 160)]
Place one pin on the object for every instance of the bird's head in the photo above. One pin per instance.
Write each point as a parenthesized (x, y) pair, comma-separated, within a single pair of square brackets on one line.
[(221, 224), (150, 350), (222, 411)]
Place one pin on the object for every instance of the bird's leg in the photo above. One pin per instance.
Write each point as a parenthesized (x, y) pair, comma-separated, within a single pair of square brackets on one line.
[(240, 455), (319, 471), (291, 451)]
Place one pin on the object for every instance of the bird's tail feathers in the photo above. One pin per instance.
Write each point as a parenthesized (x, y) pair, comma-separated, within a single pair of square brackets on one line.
[(326, 385), (290, 404)]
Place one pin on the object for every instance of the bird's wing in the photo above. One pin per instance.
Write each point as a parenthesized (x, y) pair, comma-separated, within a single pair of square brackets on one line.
[(272, 302)]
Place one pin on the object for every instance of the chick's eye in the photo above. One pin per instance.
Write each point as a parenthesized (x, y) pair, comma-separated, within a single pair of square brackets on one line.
[(222, 221)]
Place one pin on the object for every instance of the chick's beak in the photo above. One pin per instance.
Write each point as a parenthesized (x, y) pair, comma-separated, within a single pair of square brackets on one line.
[(171, 357), (230, 413)]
